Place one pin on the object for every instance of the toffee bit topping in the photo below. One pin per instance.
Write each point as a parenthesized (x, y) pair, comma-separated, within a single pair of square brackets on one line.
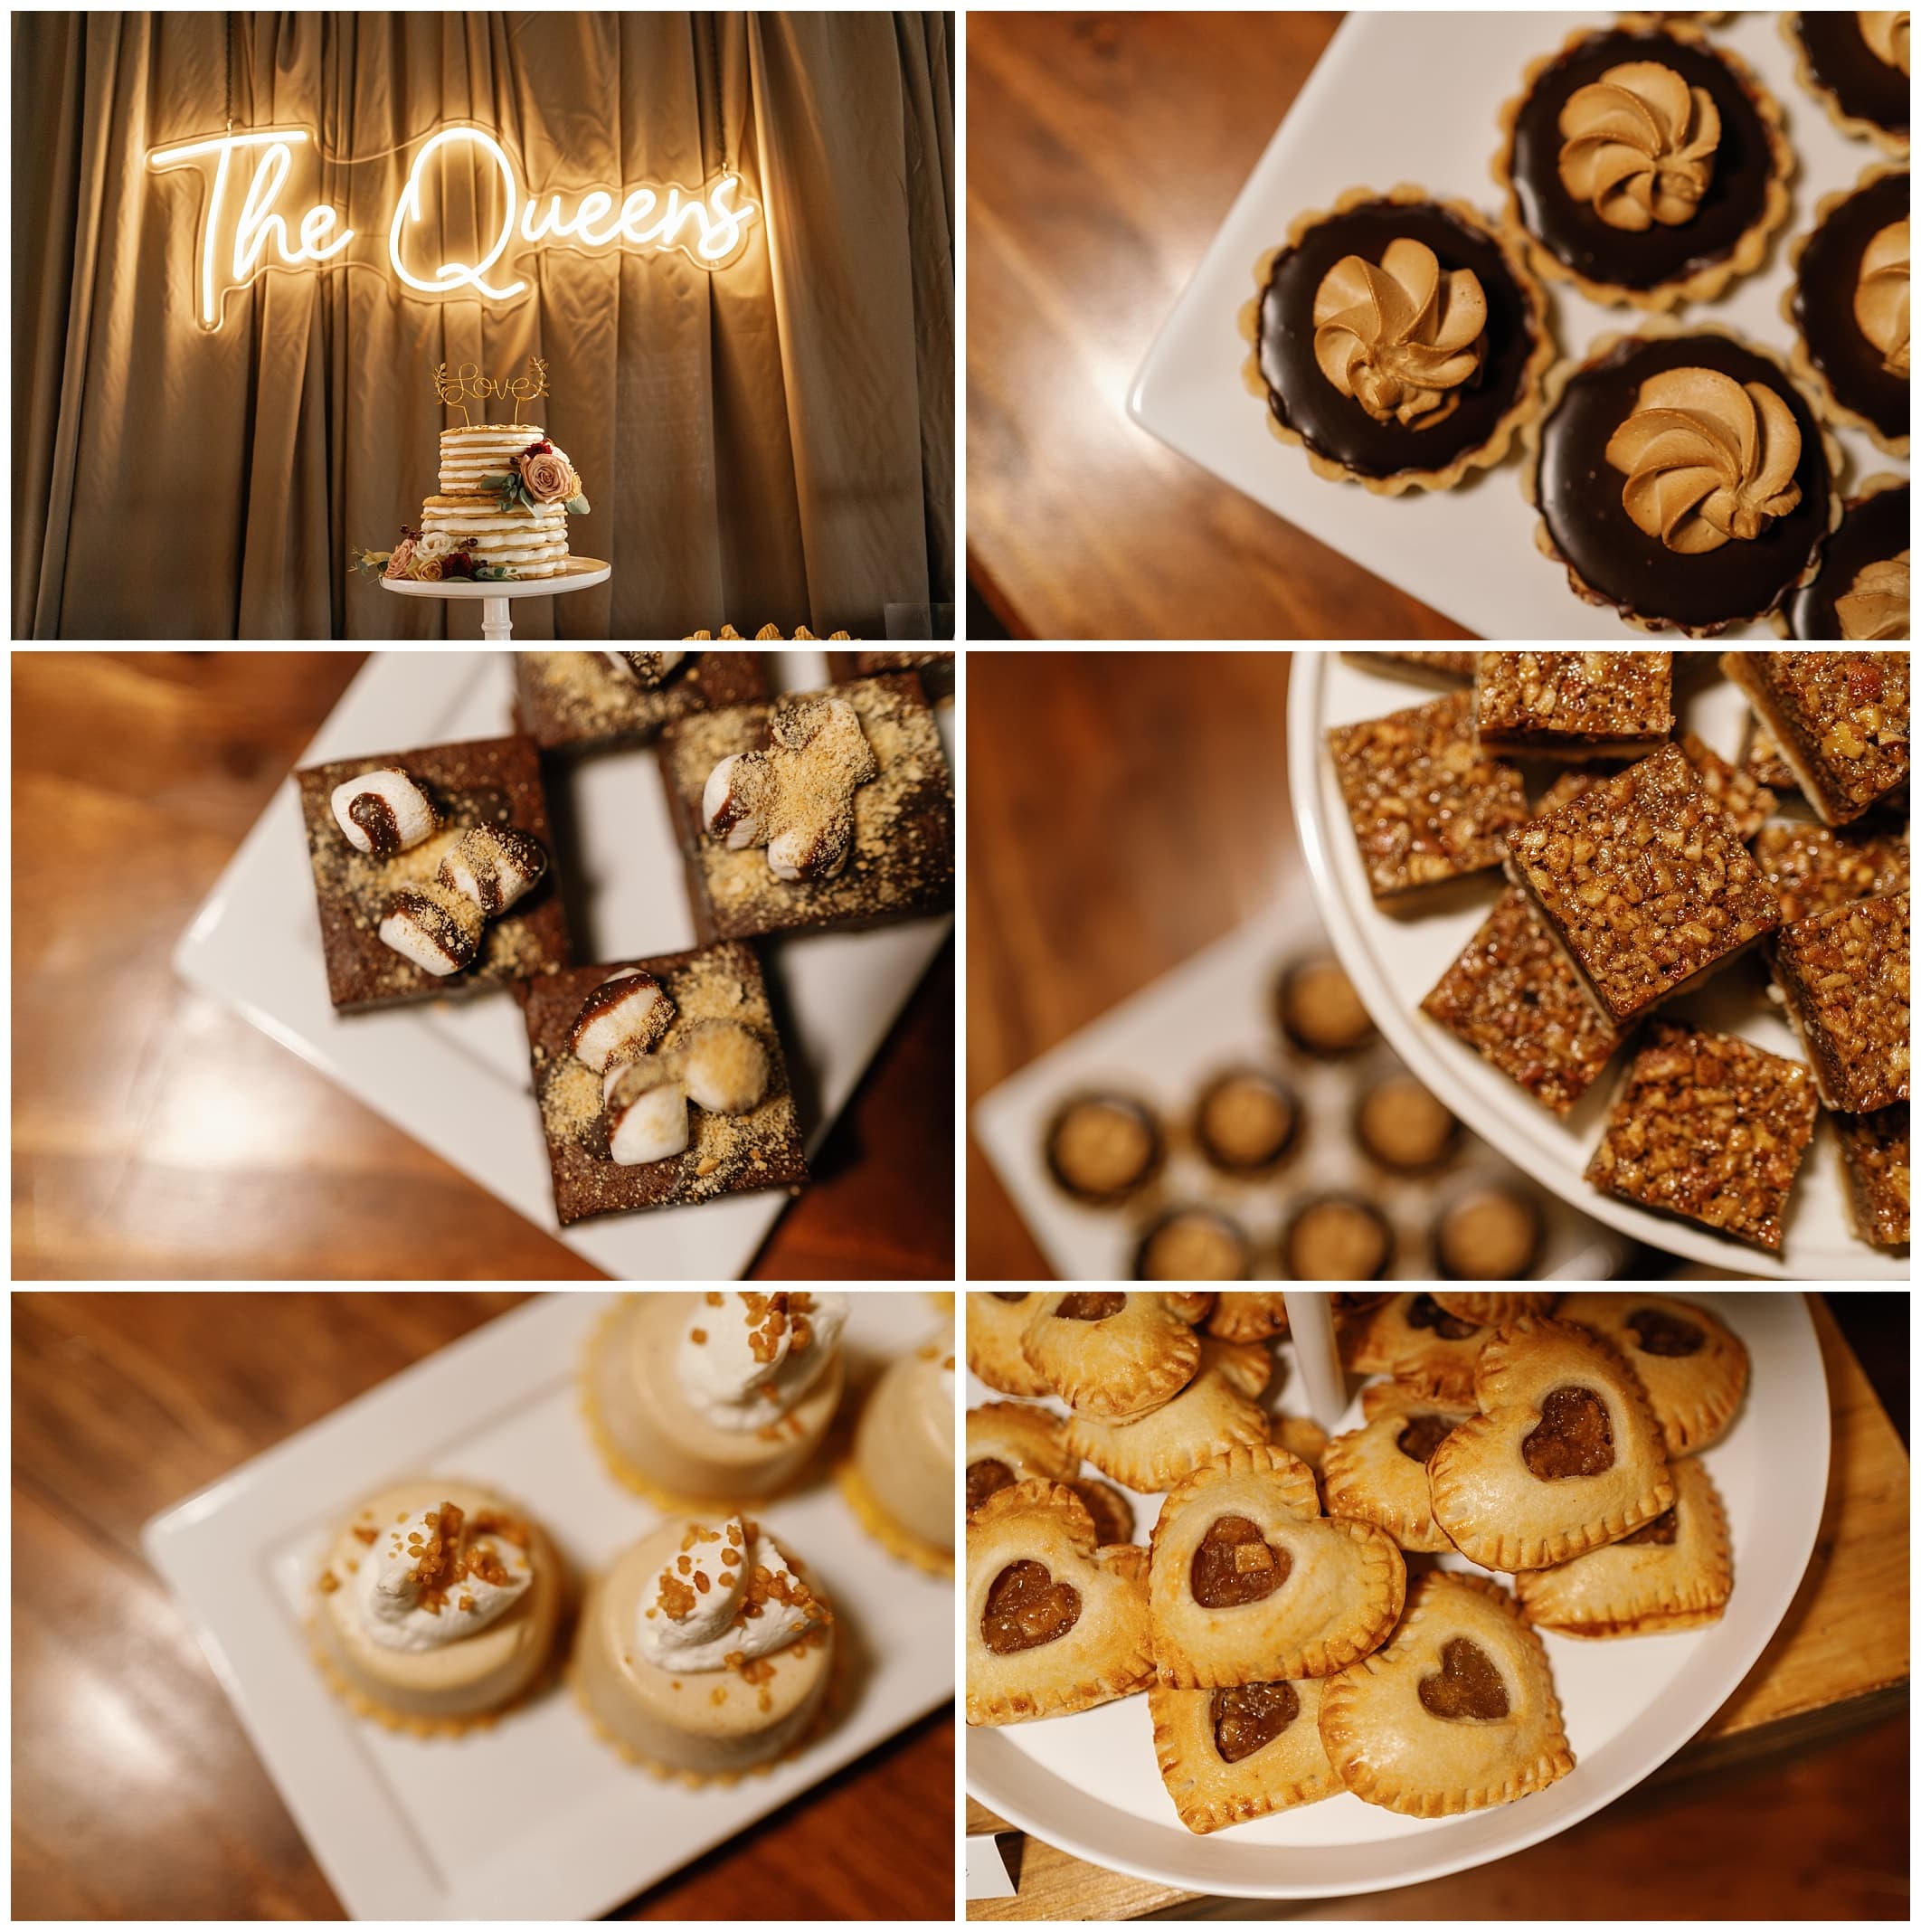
[(454, 1548)]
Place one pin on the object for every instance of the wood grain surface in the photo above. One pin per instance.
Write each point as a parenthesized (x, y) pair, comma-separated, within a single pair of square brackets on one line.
[(1124, 809), (1791, 1803), (1104, 151), (157, 1134), (136, 1792)]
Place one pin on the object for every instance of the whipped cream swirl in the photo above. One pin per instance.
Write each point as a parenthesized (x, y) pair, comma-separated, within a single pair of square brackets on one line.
[(746, 1360), (728, 1597), (1400, 338), (1638, 146), (1875, 605), (1880, 297), (440, 1575), (1707, 459)]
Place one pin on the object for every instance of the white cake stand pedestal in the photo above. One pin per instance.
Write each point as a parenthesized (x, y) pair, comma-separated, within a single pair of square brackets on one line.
[(496, 623)]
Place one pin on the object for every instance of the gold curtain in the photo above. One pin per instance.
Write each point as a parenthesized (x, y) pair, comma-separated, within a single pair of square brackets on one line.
[(774, 443)]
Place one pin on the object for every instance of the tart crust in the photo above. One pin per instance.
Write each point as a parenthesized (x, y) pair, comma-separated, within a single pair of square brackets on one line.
[(1534, 434), (1706, 282), (1527, 402), (1813, 379), (1851, 124)]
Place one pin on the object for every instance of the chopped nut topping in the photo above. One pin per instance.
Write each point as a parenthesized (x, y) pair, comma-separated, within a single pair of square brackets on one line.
[(1844, 976), (1839, 719)]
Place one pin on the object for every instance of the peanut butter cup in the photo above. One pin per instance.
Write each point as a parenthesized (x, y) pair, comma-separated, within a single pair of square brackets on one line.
[(1681, 477), (1645, 165), (1861, 593), (1848, 306), (1397, 339)]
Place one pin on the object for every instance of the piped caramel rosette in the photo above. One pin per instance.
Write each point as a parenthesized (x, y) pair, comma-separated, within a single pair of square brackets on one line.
[(1875, 604), (1401, 337), (1638, 146), (1880, 297), (1708, 459), (1886, 35)]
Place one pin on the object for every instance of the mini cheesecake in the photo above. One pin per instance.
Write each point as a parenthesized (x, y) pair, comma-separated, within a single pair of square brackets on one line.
[(704, 1651), (714, 1397), (901, 1481), (438, 1606)]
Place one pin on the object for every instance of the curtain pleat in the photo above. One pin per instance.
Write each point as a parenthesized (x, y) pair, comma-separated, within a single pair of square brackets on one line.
[(771, 443)]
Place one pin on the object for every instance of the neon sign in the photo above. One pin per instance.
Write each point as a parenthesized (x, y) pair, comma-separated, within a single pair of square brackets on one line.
[(707, 226)]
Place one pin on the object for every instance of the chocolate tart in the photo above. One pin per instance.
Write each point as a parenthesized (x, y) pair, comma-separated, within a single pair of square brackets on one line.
[(1866, 97), (483, 782), (901, 865), (575, 701), (1343, 443), (1745, 202), (1584, 525), (1874, 528), (724, 1154), (1843, 367)]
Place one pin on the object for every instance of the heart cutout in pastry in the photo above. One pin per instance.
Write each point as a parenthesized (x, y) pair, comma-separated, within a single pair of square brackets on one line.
[(1690, 1365), (1240, 1751), (1055, 1623), (1457, 1712), (1564, 1456), (1378, 1474), (1027, 1606), (1247, 1718), (1250, 1583), (1113, 1356)]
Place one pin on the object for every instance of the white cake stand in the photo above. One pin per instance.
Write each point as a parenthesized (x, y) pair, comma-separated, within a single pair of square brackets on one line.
[(497, 625)]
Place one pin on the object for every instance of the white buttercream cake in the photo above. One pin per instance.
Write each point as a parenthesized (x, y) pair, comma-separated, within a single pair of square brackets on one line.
[(530, 542)]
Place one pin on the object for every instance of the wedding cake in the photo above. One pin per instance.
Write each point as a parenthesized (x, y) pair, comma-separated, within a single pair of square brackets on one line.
[(507, 488)]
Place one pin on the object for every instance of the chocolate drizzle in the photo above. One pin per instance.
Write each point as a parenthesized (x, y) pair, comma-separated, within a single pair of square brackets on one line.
[(1335, 426), (1574, 234), (1864, 86), (1579, 492), (1872, 529), (1824, 286)]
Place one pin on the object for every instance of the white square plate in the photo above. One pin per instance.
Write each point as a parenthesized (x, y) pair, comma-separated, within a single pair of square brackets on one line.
[(455, 1073), (1414, 97), (536, 1818)]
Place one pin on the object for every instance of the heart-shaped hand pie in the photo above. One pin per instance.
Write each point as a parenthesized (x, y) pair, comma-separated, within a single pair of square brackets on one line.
[(1251, 1584), (1053, 1624), (1457, 1712), (1010, 1442), (1242, 1752), (1675, 1573), (1420, 1343), (1111, 1356), (1692, 1368), (995, 1324), (1217, 1410), (1378, 1474), (1563, 1458)]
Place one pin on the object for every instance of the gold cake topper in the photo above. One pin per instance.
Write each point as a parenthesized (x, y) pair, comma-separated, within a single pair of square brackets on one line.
[(470, 381)]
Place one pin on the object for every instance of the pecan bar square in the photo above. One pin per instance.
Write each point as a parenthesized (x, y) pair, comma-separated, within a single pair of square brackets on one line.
[(1874, 1153), (1814, 866), (1708, 1128), (1740, 794), (1839, 717), (1427, 802), (1574, 704), (1644, 883), (1842, 975), (1514, 998)]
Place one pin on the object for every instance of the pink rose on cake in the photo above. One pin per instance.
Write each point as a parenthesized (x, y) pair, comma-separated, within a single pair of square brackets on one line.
[(548, 477)]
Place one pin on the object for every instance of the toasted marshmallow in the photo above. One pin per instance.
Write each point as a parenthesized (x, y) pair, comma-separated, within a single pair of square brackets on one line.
[(723, 1066), (733, 800), (647, 1112), (434, 926), (626, 1015), (646, 668), (493, 865), (384, 811)]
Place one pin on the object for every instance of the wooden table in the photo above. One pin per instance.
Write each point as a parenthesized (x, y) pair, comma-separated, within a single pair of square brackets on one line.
[(1124, 809), (136, 1792), (1792, 1800), (1104, 151), (157, 1134)]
